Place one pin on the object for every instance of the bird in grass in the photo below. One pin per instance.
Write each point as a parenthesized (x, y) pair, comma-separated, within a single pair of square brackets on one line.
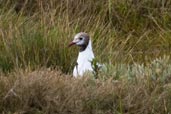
[(85, 56)]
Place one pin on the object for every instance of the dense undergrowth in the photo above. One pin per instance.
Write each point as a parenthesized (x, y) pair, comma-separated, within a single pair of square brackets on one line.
[(135, 90), (127, 36)]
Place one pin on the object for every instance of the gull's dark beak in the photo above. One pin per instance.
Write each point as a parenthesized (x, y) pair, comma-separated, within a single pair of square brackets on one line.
[(71, 44)]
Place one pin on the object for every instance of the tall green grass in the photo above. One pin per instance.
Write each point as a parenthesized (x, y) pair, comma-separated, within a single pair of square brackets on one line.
[(122, 31)]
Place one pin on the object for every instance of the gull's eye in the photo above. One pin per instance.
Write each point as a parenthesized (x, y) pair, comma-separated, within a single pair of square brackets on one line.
[(80, 38)]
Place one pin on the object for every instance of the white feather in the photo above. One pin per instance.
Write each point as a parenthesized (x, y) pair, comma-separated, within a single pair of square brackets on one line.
[(84, 61)]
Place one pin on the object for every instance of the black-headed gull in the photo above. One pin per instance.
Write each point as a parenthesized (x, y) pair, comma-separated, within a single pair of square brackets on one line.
[(85, 55)]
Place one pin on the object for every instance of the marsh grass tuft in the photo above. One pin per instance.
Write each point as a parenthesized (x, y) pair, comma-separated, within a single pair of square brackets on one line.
[(139, 90)]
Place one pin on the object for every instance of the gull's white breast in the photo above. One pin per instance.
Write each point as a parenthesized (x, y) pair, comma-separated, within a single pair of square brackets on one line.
[(84, 61)]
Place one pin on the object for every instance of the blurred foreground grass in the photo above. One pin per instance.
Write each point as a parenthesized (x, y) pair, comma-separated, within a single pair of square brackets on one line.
[(129, 89)]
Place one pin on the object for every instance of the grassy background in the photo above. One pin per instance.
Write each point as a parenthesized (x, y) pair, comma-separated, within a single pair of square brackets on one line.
[(125, 34), (125, 31)]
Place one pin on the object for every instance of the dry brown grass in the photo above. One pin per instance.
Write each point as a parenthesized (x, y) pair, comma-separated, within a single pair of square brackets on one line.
[(48, 91)]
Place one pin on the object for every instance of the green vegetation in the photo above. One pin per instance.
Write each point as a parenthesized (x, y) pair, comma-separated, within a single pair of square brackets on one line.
[(132, 37)]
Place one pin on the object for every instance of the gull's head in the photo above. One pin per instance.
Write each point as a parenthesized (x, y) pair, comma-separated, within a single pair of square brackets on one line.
[(81, 39)]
